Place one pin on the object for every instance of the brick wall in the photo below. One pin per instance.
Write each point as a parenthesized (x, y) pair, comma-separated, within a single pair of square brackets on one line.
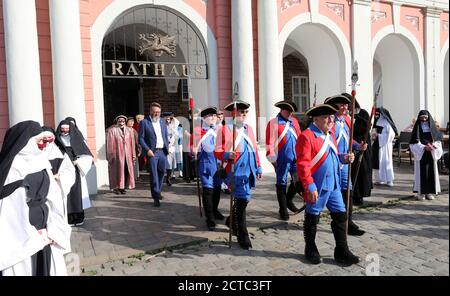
[(292, 66), (155, 91)]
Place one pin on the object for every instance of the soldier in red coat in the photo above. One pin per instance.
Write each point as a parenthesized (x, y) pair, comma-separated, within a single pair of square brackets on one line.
[(247, 168), (318, 161), (281, 136)]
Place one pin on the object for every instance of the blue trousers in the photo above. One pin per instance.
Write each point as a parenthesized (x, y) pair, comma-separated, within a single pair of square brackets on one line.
[(157, 169), (242, 186), (285, 167), (331, 199), (209, 181)]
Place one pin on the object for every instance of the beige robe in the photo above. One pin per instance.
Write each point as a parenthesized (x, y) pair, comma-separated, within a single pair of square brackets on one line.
[(120, 149)]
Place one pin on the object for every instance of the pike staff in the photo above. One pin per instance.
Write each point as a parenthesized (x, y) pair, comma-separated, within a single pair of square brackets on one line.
[(194, 153), (350, 147), (236, 95)]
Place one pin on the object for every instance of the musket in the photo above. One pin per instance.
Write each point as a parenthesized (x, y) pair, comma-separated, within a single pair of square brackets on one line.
[(350, 148), (367, 132), (194, 153), (235, 97)]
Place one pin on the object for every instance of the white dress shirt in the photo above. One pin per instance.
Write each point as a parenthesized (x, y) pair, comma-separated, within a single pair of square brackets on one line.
[(159, 138)]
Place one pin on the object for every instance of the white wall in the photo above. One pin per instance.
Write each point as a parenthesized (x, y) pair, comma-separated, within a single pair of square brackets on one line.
[(446, 105), (325, 57), (377, 80), (400, 79)]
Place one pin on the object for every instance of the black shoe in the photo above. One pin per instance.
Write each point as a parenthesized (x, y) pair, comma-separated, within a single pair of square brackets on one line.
[(218, 216), (355, 232), (353, 229), (227, 191), (284, 215), (358, 202), (343, 256), (116, 191), (122, 191), (312, 255), (245, 242), (156, 203), (211, 225)]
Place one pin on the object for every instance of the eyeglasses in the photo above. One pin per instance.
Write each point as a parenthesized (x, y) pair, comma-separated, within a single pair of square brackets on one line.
[(244, 111)]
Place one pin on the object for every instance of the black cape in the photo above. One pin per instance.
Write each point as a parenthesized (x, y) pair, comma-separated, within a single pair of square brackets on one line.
[(362, 186)]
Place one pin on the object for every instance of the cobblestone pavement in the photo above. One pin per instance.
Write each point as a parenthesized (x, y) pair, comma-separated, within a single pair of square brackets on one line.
[(406, 238), (126, 235)]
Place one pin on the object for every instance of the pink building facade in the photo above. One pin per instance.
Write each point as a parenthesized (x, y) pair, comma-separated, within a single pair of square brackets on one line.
[(95, 59)]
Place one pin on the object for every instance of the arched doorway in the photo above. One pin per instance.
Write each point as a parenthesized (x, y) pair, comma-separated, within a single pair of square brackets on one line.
[(318, 65), (148, 53), (396, 68)]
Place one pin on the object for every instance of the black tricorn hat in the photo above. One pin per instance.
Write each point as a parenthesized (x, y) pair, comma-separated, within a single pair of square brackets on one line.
[(349, 96), (338, 99), (286, 105), (322, 109), (208, 111), (240, 105)]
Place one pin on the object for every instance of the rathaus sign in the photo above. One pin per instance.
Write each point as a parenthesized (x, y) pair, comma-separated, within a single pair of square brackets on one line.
[(153, 43)]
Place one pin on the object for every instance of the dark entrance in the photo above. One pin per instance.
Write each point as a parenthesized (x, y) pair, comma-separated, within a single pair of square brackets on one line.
[(148, 54)]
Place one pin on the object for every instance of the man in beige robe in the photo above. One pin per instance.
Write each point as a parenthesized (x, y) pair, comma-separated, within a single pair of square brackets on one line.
[(120, 153)]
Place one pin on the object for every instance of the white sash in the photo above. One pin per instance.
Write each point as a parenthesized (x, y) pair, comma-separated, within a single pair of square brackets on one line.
[(208, 133), (241, 134), (326, 143), (342, 132), (287, 128)]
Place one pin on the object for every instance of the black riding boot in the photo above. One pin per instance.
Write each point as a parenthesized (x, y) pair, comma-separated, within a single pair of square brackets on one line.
[(282, 202), (353, 229), (309, 232), (243, 238), (341, 253), (227, 221), (208, 208), (216, 200), (169, 175), (292, 191)]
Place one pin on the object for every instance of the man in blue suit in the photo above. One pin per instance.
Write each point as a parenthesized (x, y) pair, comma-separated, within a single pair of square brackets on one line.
[(155, 142)]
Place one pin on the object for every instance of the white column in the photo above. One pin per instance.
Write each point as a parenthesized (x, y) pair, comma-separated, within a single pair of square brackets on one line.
[(242, 51), (68, 85), (434, 101), (362, 51), (269, 61), (22, 61)]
